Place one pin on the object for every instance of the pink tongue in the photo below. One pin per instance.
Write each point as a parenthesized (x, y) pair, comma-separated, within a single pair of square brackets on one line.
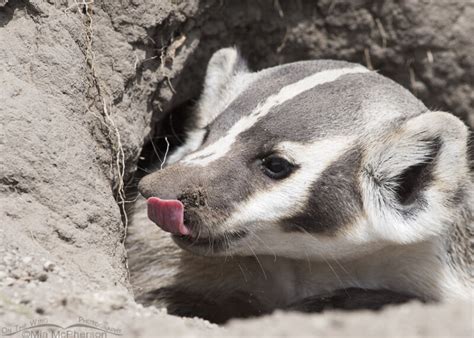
[(168, 215)]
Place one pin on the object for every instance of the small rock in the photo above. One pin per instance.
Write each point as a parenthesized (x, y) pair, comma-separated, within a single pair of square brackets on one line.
[(48, 266), (43, 277)]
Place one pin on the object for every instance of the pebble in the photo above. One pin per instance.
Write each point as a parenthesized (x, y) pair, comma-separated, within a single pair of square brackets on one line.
[(48, 266), (43, 277)]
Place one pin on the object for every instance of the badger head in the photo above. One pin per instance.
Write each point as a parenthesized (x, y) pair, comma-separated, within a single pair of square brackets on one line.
[(314, 159)]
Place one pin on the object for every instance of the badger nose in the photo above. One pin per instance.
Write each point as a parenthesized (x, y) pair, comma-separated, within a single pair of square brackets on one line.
[(144, 187), (157, 185)]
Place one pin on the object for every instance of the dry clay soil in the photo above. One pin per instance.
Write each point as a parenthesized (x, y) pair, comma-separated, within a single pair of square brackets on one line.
[(82, 88)]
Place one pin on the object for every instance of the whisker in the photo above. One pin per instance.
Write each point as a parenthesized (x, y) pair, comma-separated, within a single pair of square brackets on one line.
[(243, 273), (166, 153), (173, 132), (197, 238), (226, 245), (326, 261), (211, 243), (258, 261), (309, 262), (143, 169), (155, 150), (346, 272), (265, 244), (337, 276)]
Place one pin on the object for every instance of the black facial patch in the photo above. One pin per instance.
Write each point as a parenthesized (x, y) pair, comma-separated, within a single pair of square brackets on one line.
[(335, 198)]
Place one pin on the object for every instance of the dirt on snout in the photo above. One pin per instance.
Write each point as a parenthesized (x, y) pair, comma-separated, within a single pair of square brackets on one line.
[(193, 199)]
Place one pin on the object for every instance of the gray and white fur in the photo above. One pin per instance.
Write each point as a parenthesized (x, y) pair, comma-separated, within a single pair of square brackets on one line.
[(379, 194)]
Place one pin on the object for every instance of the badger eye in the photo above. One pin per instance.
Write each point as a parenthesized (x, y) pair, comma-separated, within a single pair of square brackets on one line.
[(276, 167)]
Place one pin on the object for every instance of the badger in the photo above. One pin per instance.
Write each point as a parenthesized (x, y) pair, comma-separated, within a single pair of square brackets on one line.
[(301, 184)]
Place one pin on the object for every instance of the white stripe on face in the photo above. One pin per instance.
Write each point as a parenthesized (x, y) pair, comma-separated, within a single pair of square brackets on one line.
[(289, 196), (220, 147)]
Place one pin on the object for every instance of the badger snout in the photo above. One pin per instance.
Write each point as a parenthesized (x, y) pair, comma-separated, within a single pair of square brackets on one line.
[(190, 205), (174, 203), (179, 216)]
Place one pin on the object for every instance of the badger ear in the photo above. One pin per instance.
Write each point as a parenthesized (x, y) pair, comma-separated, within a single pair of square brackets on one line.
[(220, 85), (413, 175)]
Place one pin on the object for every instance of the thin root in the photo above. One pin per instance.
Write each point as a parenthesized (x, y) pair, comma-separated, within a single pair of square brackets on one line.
[(106, 120)]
